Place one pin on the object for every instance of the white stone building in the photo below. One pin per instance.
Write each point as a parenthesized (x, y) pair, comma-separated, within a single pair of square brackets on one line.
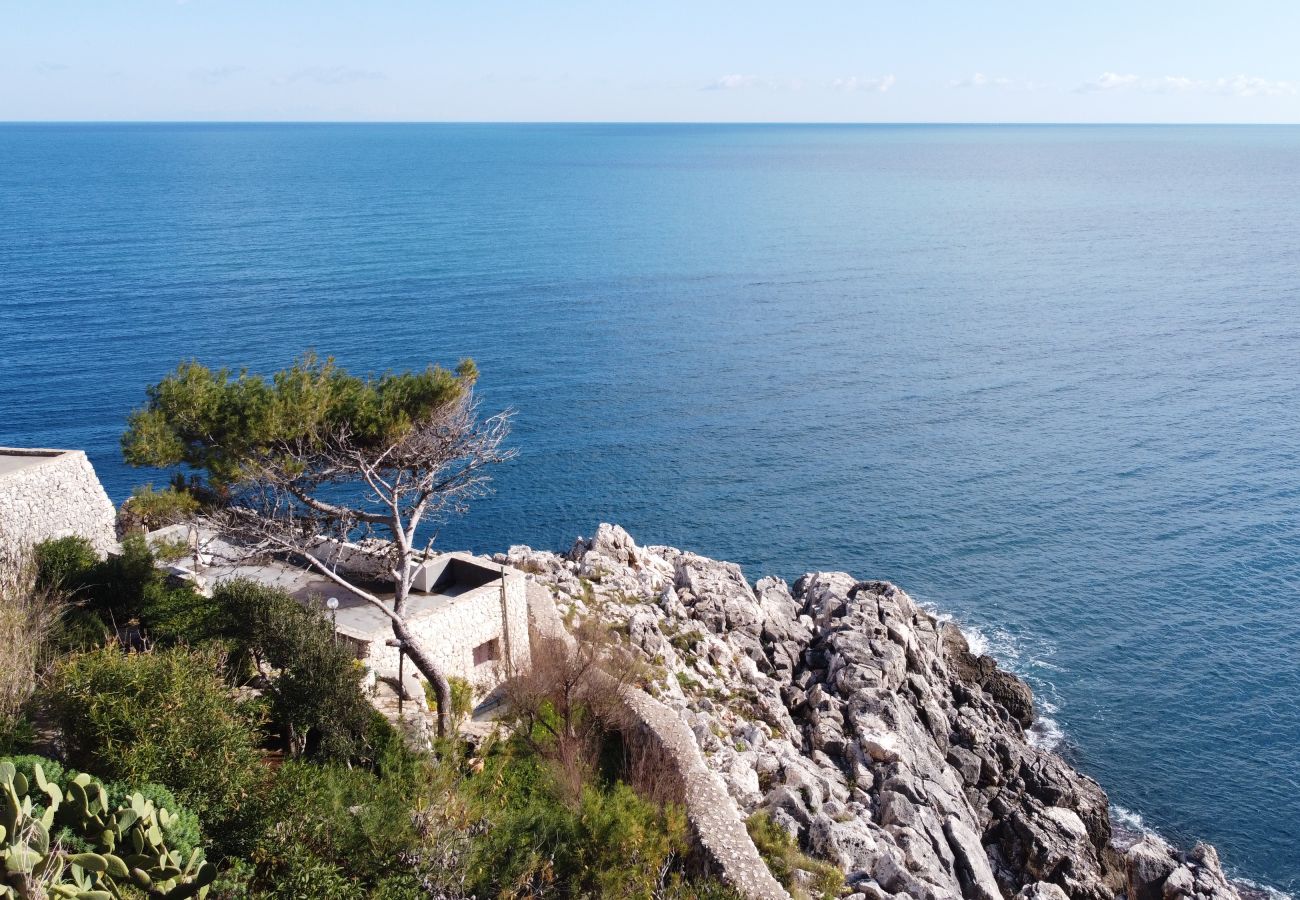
[(52, 494), (470, 614)]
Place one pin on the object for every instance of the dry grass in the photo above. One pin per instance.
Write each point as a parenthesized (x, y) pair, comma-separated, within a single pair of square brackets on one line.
[(570, 698), (29, 611)]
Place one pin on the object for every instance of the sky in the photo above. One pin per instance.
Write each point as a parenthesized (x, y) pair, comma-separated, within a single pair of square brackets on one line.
[(667, 60)]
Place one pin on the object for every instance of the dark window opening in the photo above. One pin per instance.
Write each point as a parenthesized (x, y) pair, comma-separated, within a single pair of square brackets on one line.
[(487, 652)]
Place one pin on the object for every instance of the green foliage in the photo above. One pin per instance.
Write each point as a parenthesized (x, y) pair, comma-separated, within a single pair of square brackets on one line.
[(462, 698), (610, 843), (170, 551), (16, 735), (315, 693), (120, 844), (126, 588), (149, 510), (784, 858), (181, 831), (219, 420), (64, 562), (165, 717), (336, 832)]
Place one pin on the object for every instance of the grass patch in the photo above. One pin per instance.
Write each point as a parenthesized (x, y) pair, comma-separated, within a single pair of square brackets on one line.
[(784, 859)]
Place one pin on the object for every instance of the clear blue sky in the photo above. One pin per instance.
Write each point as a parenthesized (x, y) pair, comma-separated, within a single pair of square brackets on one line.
[(484, 60)]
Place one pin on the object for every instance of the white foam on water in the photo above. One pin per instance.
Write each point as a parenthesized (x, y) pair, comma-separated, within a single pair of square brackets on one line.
[(1262, 891), (1129, 828), (1126, 818), (1047, 734), (1010, 653)]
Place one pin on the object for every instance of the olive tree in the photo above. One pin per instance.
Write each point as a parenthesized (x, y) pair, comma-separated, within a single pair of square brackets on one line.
[(311, 457)]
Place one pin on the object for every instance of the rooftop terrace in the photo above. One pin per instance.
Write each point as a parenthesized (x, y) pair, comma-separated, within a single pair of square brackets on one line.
[(13, 459), (447, 577)]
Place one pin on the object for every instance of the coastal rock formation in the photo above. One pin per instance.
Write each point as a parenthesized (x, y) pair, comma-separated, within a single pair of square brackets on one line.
[(866, 728)]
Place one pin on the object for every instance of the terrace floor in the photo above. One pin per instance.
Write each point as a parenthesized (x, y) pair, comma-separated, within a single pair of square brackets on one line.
[(355, 617), (16, 462)]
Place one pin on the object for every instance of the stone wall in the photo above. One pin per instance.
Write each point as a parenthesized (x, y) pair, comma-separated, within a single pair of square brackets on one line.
[(51, 494), (664, 744), (450, 633)]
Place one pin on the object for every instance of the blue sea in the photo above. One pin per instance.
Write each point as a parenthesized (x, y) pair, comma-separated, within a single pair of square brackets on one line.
[(1045, 378)]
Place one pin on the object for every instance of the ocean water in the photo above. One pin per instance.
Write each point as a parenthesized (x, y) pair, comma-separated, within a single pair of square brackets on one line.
[(1045, 378)]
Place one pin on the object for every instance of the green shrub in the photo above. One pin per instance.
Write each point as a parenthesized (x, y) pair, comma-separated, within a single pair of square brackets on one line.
[(65, 562), (315, 694), (126, 588), (341, 832), (119, 847), (182, 833), (462, 699), (149, 510), (784, 858), (163, 717), (611, 843)]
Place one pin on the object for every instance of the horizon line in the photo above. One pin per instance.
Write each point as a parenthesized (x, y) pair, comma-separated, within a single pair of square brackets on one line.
[(813, 122)]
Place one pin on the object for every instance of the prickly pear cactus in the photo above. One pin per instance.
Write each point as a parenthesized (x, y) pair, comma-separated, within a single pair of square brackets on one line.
[(129, 844)]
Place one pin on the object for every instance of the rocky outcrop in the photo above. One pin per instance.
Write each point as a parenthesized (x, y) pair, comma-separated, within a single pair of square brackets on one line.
[(1156, 871), (864, 727)]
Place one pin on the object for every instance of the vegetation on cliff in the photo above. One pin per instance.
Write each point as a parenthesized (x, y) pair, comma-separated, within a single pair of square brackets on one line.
[(313, 455), (240, 716)]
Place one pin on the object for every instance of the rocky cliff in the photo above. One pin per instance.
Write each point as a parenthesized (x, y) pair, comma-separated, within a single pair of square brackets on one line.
[(866, 728)]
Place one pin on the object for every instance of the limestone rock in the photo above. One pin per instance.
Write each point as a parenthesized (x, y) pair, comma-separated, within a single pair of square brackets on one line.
[(865, 728)]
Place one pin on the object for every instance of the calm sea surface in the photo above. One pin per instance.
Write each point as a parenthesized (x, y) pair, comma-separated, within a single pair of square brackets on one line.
[(1043, 377)]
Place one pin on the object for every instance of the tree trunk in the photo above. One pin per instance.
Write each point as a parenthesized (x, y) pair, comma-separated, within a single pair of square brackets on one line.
[(429, 669)]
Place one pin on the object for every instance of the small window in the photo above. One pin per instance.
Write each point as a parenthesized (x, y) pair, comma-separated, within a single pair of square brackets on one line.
[(486, 652)]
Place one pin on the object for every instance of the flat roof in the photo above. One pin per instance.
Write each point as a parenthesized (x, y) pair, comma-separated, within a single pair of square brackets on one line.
[(356, 616), (14, 459)]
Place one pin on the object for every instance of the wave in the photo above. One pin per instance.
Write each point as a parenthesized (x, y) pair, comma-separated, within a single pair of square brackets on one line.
[(1035, 667)]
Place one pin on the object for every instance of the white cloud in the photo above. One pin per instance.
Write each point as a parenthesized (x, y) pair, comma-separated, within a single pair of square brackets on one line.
[(1234, 86), (215, 74), (980, 80), (331, 75), (879, 85), (735, 83)]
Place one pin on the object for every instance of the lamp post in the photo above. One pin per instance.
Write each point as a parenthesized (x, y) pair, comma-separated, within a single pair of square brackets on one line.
[(333, 604)]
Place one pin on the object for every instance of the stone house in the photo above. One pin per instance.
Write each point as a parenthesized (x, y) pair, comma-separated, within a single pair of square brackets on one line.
[(469, 613), (52, 494)]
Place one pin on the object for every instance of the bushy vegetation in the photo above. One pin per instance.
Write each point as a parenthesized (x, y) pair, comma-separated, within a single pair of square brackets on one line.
[(462, 699), (800, 874), (125, 594), (240, 716), (148, 510), (66, 835), (312, 685), (167, 717), (29, 613)]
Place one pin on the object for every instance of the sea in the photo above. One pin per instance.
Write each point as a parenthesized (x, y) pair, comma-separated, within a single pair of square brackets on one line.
[(1045, 378)]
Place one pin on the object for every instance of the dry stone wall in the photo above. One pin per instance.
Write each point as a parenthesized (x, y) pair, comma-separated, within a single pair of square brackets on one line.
[(721, 838), (51, 494)]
